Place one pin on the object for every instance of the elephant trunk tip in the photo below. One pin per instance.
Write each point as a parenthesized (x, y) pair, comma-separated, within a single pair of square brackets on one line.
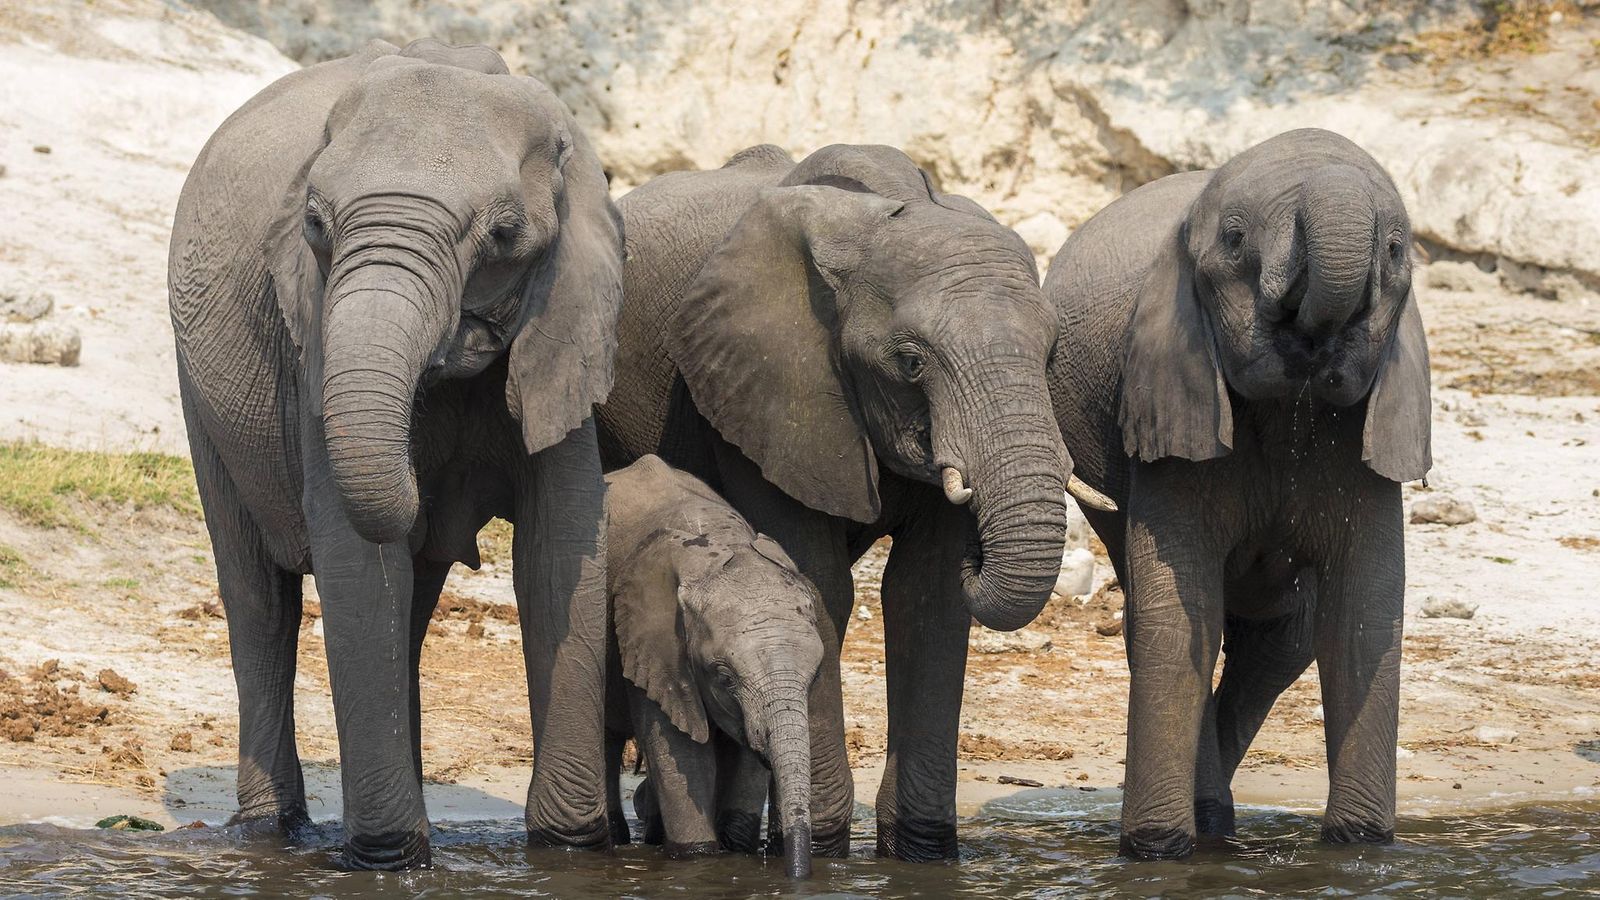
[(797, 845)]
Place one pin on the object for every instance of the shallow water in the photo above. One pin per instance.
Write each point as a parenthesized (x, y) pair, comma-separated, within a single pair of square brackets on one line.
[(1048, 844)]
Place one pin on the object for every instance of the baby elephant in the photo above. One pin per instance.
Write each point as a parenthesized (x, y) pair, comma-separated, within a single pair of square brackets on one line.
[(714, 648)]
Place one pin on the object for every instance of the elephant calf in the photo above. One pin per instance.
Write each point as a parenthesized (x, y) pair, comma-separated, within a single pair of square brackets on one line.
[(715, 645), (1248, 380)]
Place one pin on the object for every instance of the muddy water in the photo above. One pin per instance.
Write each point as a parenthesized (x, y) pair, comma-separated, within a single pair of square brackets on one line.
[(1051, 844)]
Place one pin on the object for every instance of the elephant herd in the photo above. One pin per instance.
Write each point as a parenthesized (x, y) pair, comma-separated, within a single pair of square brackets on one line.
[(405, 304)]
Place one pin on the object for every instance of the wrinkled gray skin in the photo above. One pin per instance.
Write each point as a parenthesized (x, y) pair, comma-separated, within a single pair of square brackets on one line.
[(1249, 381), (394, 280), (818, 341), (715, 646)]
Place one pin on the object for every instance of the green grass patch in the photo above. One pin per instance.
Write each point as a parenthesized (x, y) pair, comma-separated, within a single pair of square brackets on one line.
[(12, 567), (38, 483)]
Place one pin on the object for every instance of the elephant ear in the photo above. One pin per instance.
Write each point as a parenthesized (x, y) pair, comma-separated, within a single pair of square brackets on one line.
[(772, 551), (560, 363), (1174, 398), (296, 278), (754, 337), (1397, 441), (650, 633)]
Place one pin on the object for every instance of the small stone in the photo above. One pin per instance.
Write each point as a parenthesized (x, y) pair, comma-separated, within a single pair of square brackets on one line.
[(1111, 628), (183, 742), (113, 683), (1019, 782), (1448, 608), (1023, 641), (1402, 753), (1442, 509), (864, 613), (40, 342), (1490, 734), (33, 307), (41, 148), (1077, 573)]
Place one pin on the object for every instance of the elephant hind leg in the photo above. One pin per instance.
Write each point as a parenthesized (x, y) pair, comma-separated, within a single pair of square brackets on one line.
[(427, 584), (262, 602), (615, 818)]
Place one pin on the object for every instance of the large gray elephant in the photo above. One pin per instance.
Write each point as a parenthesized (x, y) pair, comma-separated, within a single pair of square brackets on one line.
[(844, 352), (394, 281), (715, 646), (1248, 380)]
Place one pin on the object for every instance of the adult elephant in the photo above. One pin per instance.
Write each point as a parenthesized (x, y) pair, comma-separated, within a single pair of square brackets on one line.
[(845, 353), (394, 281), (1249, 382)]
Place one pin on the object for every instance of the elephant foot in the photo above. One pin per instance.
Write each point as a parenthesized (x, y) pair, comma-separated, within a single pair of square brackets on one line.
[(287, 821), (596, 836), (620, 835), (928, 841), (1213, 818), (1156, 843), (1356, 832), (691, 849), (387, 852), (739, 830)]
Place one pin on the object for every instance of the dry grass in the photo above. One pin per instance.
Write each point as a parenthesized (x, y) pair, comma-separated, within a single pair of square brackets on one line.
[(39, 484), (13, 568), (1508, 27)]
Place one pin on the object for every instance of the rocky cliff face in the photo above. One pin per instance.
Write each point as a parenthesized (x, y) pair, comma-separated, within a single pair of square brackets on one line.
[(1046, 111)]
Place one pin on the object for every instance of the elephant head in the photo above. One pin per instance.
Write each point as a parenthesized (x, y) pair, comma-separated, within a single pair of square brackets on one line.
[(1290, 275), (454, 214), (854, 315), (739, 649)]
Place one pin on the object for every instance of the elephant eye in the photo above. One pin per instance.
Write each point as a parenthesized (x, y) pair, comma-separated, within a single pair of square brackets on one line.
[(504, 238), (1233, 239), (1397, 251), (910, 364), (315, 230)]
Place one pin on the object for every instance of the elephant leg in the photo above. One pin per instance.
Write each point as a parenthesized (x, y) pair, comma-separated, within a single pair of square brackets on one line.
[(648, 811), (366, 613), (925, 624), (559, 574), (817, 544), (426, 585), (1261, 659), (1173, 627), (742, 781), (1213, 800), (683, 779), (1358, 634), (615, 818), (263, 604)]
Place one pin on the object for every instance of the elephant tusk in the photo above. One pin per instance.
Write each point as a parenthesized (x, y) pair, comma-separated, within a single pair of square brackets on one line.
[(1085, 495), (955, 489)]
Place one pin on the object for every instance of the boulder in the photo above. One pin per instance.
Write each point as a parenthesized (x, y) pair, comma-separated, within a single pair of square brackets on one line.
[(1442, 509), (49, 343), (17, 307)]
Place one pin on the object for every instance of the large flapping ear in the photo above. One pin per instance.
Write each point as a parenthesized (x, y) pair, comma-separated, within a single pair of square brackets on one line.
[(561, 358), (754, 337), (650, 633), (1174, 398), (296, 277), (1397, 441)]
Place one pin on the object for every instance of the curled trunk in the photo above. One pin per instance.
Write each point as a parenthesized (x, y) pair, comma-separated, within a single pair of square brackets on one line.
[(375, 346), (1338, 219), (1017, 469)]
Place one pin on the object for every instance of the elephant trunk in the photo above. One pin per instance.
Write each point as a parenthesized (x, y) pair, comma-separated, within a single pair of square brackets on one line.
[(788, 753), (1339, 221), (1017, 470), (377, 339)]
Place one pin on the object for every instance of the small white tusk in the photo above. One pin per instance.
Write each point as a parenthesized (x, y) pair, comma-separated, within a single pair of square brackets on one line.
[(1089, 496), (955, 489)]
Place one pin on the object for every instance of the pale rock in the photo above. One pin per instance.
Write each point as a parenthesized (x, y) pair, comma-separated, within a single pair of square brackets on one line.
[(1454, 275), (1025, 640), (1077, 573), (1490, 734), (1402, 753), (47, 343), (1442, 509), (1448, 608), (16, 307), (1043, 233)]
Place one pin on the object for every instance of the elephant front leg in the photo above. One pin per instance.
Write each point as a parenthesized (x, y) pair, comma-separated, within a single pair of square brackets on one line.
[(1359, 625), (366, 612), (559, 574), (682, 778), (925, 624), (742, 781), (1173, 625)]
